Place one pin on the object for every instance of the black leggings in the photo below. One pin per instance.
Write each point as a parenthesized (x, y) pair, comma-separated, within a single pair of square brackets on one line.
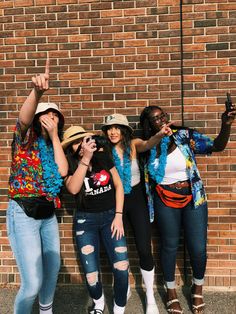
[(136, 212)]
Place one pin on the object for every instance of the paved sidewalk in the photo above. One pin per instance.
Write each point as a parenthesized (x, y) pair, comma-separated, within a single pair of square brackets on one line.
[(75, 300)]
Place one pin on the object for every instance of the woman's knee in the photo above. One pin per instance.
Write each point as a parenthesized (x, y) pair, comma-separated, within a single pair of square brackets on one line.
[(121, 264), (197, 251), (169, 244), (30, 289), (146, 260)]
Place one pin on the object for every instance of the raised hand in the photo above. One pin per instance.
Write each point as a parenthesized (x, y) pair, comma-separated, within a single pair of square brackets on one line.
[(229, 116), (88, 147), (51, 125), (41, 81), (166, 130)]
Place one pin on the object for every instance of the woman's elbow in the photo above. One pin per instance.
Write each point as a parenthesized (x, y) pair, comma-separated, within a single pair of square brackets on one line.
[(72, 190), (218, 147), (64, 170)]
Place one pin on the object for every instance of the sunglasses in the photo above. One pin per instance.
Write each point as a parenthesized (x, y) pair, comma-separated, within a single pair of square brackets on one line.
[(159, 118)]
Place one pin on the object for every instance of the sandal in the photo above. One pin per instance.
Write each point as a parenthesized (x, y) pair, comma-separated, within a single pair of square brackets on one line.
[(169, 303), (197, 309)]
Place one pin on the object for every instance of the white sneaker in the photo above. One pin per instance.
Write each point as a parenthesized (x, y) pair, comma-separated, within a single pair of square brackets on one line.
[(152, 308)]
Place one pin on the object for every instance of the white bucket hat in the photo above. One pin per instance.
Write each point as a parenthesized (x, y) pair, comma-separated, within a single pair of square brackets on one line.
[(72, 134), (118, 119), (45, 106)]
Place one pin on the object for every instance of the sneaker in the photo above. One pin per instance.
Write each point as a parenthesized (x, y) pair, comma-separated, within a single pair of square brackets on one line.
[(93, 310), (96, 311)]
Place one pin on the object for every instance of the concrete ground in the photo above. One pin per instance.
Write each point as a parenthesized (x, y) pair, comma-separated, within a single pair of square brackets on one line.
[(75, 300)]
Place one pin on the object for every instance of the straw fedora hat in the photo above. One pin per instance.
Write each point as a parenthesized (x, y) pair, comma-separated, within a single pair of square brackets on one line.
[(72, 134), (118, 119), (47, 106)]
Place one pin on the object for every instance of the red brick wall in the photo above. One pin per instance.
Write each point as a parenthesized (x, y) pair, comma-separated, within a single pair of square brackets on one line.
[(119, 56)]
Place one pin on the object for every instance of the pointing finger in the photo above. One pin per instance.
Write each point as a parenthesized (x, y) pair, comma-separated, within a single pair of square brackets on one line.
[(47, 68)]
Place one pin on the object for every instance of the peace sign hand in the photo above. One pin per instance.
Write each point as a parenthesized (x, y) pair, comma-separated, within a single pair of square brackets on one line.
[(41, 81)]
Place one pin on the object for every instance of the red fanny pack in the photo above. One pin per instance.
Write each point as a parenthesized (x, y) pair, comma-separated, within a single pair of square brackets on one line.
[(172, 199)]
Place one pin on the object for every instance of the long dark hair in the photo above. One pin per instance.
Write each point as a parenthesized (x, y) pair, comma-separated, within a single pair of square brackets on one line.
[(126, 137), (73, 164), (97, 162)]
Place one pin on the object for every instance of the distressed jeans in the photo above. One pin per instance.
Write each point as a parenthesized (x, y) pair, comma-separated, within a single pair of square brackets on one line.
[(36, 246), (90, 228)]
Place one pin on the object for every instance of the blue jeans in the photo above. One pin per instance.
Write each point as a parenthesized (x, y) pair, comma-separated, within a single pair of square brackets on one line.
[(36, 246), (90, 228), (194, 222)]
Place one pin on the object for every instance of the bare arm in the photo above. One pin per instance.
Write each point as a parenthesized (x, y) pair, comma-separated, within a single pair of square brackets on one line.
[(119, 190), (222, 139), (27, 111), (142, 146), (60, 157), (117, 224), (74, 183)]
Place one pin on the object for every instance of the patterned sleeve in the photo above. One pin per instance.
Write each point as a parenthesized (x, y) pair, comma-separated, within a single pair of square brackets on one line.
[(19, 140), (200, 143)]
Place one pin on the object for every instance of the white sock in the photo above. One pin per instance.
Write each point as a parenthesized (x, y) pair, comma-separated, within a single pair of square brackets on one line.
[(99, 303), (170, 284), (118, 309), (45, 308), (198, 282), (148, 278)]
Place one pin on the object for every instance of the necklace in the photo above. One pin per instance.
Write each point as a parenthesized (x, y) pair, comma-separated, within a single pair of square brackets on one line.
[(158, 173), (51, 176), (123, 170)]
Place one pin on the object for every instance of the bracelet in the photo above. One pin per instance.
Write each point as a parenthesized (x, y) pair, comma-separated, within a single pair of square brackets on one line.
[(119, 213), (83, 163)]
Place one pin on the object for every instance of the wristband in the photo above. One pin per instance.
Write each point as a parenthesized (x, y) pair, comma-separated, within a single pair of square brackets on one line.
[(83, 163), (119, 213)]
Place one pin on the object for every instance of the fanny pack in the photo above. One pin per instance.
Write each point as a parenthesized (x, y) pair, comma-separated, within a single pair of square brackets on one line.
[(172, 199), (36, 207)]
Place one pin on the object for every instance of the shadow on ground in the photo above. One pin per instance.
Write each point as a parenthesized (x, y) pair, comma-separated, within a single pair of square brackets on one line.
[(75, 300)]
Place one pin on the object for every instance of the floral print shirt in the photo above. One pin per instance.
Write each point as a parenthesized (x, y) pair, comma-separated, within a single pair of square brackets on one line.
[(191, 142), (26, 178)]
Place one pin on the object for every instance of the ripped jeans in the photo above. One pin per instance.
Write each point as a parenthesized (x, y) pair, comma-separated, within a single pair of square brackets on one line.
[(90, 228)]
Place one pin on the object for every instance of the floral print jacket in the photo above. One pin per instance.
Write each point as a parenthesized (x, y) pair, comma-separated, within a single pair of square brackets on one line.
[(190, 142)]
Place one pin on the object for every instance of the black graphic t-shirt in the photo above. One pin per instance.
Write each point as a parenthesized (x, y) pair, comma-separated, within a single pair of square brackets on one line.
[(98, 188)]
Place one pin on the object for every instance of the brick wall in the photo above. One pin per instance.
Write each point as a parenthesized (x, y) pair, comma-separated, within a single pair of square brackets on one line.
[(119, 56)]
